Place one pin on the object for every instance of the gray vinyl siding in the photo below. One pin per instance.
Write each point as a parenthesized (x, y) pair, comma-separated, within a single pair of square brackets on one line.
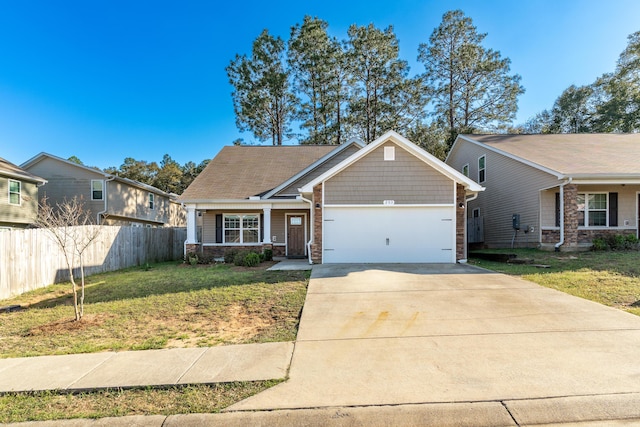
[(18, 215), (125, 204), (133, 202), (65, 182), (512, 187), (177, 215), (405, 180), (278, 227), (310, 176)]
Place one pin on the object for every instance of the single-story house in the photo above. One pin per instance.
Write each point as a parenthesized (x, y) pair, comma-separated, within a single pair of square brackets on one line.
[(389, 201), (111, 199), (553, 191), (18, 196)]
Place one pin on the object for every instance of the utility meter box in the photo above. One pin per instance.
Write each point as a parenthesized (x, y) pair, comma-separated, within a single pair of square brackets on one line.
[(515, 219)]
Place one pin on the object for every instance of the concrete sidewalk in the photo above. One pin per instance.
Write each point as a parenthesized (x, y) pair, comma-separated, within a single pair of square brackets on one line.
[(178, 366)]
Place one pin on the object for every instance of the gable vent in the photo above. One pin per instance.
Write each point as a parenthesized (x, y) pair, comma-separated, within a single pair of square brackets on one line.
[(389, 153)]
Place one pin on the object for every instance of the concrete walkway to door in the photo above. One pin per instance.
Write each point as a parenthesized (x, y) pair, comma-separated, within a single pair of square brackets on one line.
[(459, 338)]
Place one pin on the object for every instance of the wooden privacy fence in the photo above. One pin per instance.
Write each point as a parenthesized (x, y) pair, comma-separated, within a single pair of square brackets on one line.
[(31, 259)]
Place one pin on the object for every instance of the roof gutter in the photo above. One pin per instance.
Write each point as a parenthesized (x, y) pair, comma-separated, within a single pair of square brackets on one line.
[(561, 242), (311, 239)]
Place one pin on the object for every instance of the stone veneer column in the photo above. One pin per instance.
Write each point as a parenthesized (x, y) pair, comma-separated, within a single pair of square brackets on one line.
[(316, 246), (570, 216), (460, 222)]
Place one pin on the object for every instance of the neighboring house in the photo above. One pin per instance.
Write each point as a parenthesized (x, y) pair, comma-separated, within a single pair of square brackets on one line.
[(389, 201), (565, 189), (111, 200), (18, 196)]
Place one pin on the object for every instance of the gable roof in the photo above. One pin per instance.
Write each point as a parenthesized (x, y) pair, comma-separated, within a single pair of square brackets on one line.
[(240, 172), (42, 156), (13, 171), (470, 185), (575, 155)]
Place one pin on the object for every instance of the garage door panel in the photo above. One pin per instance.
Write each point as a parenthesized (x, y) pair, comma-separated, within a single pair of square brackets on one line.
[(389, 234)]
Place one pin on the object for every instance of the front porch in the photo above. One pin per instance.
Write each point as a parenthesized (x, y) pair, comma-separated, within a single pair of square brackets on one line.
[(574, 214), (215, 231)]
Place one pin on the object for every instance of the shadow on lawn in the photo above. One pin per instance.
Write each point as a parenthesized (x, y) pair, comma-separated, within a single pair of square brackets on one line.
[(165, 279)]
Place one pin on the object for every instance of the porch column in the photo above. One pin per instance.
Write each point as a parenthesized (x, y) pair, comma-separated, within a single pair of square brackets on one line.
[(570, 216), (192, 236), (267, 226)]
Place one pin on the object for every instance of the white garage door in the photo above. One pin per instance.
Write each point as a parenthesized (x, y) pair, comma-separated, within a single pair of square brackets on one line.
[(392, 234)]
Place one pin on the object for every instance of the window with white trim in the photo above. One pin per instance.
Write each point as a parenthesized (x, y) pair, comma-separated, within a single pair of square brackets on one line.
[(482, 175), (593, 209), (465, 170), (241, 228), (97, 189), (152, 201), (15, 190)]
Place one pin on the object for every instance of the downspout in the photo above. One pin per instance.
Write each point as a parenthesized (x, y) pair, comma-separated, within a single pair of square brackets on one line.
[(99, 214), (311, 219), (466, 203), (561, 242)]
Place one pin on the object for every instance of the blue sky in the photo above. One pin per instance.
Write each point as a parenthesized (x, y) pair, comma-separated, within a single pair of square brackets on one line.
[(109, 79)]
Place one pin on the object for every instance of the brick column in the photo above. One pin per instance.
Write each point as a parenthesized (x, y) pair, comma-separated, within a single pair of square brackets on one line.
[(316, 246), (570, 216), (460, 222)]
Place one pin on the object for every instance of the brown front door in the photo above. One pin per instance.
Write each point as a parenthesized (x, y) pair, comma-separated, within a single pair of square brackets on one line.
[(295, 236)]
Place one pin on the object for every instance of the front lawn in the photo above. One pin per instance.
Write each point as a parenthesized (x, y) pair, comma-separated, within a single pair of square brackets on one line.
[(162, 306), (610, 278), (51, 405)]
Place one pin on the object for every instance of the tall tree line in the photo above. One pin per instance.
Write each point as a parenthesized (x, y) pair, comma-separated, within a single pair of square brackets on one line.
[(609, 104), (359, 87), (168, 176)]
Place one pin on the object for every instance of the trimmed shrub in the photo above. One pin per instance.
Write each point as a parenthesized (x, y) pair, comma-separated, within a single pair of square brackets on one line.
[(239, 258), (230, 256), (616, 242), (252, 259), (599, 244), (268, 254)]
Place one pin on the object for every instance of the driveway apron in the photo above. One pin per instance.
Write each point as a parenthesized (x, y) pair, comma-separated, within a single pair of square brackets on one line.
[(394, 334)]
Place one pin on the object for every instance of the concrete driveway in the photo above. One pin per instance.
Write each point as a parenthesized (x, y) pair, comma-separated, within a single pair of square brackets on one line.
[(458, 335)]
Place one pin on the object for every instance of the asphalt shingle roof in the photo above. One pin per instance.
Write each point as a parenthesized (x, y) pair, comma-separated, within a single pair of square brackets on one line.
[(573, 154), (9, 169), (239, 172)]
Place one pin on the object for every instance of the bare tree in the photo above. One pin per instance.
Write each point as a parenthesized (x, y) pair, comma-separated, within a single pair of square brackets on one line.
[(70, 226)]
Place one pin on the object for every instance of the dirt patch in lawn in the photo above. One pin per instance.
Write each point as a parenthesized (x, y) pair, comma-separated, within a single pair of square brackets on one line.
[(88, 321), (238, 325)]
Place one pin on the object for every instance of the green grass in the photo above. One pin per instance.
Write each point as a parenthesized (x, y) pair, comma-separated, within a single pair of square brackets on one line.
[(44, 406), (167, 305), (610, 278)]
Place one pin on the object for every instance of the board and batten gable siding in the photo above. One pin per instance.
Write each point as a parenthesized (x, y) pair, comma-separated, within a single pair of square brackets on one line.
[(512, 187), (66, 181), (19, 215), (133, 202), (406, 180), (292, 189)]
